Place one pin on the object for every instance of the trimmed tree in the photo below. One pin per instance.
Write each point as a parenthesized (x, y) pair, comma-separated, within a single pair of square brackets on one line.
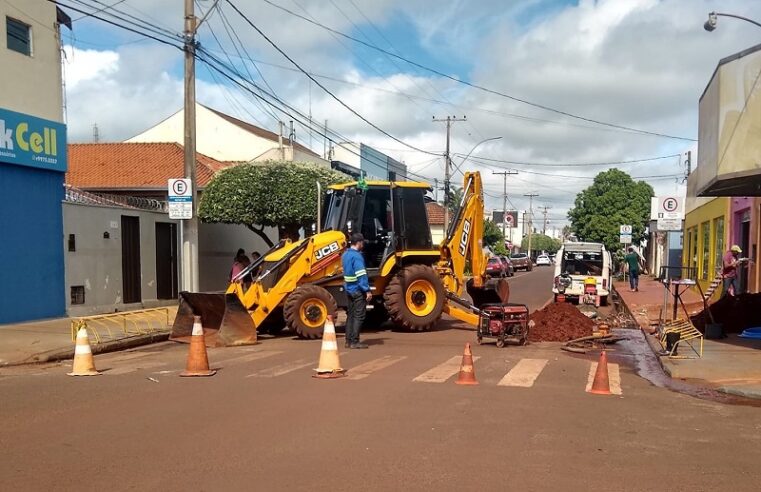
[(493, 234), (541, 242), (613, 199), (271, 194)]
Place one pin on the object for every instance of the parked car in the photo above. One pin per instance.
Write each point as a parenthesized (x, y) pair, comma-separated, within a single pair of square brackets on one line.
[(543, 260), (495, 268), (521, 261), (578, 262), (509, 270)]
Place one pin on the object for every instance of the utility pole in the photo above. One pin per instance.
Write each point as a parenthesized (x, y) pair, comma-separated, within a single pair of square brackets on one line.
[(689, 162), (504, 175), (95, 134), (436, 189), (544, 212), (189, 227), (447, 165), (530, 219)]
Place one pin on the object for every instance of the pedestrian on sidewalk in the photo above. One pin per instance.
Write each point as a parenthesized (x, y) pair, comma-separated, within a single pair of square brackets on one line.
[(357, 290), (730, 263), (632, 261)]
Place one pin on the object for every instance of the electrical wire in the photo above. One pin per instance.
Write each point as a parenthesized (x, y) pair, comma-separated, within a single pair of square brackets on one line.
[(577, 164), (477, 86), (325, 89)]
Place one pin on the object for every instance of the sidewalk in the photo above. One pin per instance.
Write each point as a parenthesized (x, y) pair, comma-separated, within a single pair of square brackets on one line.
[(50, 340), (731, 365)]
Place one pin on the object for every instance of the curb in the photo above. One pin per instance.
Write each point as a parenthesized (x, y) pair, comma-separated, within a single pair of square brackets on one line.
[(100, 348)]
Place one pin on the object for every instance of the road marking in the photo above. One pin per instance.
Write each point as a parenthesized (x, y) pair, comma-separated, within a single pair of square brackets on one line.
[(133, 368), (524, 373), (364, 370), (614, 378), (442, 372), (285, 368), (249, 357)]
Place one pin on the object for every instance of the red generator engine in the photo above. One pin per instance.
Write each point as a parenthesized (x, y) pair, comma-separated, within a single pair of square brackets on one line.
[(503, 323)]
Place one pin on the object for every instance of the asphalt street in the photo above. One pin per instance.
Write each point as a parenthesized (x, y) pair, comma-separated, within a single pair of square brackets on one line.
[(396, 422)]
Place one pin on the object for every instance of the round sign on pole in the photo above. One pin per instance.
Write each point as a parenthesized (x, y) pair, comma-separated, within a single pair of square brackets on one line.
[(670, 204), (509, 220)]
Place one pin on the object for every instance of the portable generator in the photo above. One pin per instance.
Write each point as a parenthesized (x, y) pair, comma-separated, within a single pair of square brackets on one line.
[(590, 292), (504, 323)]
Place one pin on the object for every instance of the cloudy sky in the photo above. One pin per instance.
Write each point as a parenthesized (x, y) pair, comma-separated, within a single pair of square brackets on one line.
[(639, 64)]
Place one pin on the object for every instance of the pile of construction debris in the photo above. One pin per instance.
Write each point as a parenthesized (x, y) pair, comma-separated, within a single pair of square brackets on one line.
[(559, 322)]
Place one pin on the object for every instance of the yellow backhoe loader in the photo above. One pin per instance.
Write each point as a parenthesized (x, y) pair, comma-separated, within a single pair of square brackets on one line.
[(298, 284)]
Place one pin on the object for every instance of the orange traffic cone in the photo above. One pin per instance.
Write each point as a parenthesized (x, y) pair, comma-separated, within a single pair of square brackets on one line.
[(467, 373), (601, 385), (329, 366), (84, 365), (198, 360)]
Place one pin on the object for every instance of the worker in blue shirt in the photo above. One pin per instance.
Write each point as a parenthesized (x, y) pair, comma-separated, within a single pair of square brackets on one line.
[(357, 290)]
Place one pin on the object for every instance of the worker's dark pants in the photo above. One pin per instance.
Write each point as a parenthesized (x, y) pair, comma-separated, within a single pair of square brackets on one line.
[(634, 279), (729, 283), (356, 316)]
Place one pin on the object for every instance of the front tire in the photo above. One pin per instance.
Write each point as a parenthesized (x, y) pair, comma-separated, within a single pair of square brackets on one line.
[(307, 308), (415, 298)]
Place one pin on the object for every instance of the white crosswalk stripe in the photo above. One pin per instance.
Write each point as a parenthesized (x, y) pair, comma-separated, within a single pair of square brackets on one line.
[(614, 378), (286, 367), (262, 354), (128, 368), (524, 373), (364, 370), (442, 372)]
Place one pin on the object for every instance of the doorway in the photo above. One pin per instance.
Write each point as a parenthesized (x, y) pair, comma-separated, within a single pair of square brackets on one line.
[(166, 260), (131, 277), (743, 270)]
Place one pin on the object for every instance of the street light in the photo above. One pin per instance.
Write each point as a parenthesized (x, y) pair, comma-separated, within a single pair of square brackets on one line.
[(710, 24), (474, 148)]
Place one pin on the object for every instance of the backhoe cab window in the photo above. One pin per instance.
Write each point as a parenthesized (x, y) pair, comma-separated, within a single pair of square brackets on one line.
[(332, 215), (411, 218)]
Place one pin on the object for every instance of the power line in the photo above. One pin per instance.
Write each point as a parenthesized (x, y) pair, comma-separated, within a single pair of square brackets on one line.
[(327, 91), (577, 164), (476, 86)]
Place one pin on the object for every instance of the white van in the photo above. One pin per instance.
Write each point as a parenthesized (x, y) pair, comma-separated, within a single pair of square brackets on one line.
[(582, 261)]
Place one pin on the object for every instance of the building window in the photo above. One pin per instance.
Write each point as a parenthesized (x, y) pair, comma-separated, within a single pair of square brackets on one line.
[(19, 36), (77, 294), (705, 233), (718, 227)]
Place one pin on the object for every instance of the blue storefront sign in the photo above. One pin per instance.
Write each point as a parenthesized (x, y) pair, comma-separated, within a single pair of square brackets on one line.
[(29, 141)]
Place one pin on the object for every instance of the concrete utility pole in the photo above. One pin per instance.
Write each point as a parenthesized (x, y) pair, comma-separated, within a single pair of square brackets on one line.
[(530, 219), (504, 175), (189, 227), (447, 165), (544, 212)]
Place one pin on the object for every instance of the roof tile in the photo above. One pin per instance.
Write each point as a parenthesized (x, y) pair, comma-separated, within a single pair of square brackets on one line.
[(435, 213), (133, 165)]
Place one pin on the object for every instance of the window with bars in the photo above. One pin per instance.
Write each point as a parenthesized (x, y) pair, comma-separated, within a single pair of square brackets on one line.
[(705, 263), (718, 226), (19, 36)]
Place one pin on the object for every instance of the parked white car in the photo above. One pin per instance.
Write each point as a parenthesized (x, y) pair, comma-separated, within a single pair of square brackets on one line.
[(543, 260)]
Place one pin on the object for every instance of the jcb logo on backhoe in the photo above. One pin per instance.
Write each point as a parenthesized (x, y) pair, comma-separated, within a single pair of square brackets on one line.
[(327, 250), (465, 237)]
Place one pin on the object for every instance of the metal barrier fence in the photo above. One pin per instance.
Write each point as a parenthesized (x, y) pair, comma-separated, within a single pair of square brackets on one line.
[(105, 326)]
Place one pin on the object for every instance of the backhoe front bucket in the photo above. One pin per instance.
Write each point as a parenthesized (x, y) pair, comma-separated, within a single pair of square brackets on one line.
[(225, 321), (494, 291)]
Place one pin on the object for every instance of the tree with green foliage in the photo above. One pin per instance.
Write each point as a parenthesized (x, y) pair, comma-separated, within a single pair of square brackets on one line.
[(455, 197), (493, 234), (271, 194), (614, 199), (541, 242)]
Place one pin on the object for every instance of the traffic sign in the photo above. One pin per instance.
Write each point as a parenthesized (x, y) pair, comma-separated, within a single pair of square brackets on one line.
[(625, 230), (667, 207), (625, 238), (669, 224), (180, 194)]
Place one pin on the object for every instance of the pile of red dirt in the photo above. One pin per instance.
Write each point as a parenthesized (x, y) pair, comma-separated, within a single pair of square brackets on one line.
[(736, 313), (559, 322)]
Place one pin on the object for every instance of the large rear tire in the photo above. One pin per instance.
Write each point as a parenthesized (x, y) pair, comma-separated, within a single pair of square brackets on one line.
[(307, 308), (415, 298)]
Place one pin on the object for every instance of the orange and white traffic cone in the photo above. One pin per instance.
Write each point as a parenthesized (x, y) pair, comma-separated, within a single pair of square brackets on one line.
[(467, 373), (329, 366), (84, 365), (601, 385), (198, 360)]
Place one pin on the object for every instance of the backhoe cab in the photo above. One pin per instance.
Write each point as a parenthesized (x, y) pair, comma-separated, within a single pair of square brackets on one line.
[(299, 284)]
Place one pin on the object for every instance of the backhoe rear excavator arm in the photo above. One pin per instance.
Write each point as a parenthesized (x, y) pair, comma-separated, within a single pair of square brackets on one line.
[(463, 245)]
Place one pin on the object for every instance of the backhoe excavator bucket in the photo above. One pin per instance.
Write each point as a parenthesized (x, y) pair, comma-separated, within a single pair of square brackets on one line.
[(494, 291), (225, 321)]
